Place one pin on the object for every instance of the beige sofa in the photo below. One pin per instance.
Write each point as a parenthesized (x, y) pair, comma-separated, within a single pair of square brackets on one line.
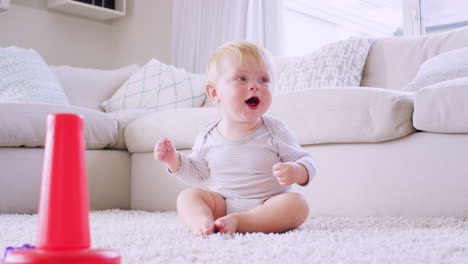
[(379, 150)]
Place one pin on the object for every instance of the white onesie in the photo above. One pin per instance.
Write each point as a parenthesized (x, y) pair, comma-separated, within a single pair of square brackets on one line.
[(242, 170)]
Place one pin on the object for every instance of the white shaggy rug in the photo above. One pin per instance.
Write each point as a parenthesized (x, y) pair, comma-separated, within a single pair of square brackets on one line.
[(144, 237)]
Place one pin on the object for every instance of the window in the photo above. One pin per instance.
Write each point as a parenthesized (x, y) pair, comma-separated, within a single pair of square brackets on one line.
[(443, 15), (309, 25)]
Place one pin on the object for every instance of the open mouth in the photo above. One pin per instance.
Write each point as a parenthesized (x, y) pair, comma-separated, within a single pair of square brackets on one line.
[(253, 102)]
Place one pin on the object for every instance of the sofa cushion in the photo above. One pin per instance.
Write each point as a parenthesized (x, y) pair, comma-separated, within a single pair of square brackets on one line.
[(24, 125), (25, 77), (158, 86), (89, 87), (124, 118), (394, 61), (338, 64), (446, 66), (179, 125), (442, 107), (315, 116), (345, 114)]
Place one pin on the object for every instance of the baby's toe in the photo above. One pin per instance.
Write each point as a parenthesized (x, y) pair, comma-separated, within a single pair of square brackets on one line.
[(205, 230), (219, 225), (226, 225)]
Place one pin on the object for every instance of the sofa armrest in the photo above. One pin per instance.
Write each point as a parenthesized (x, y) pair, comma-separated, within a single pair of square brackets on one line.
[(345, 114), (443, 107)]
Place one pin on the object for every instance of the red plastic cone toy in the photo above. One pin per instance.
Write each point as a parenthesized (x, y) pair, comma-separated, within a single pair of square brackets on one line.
[(63, 230)]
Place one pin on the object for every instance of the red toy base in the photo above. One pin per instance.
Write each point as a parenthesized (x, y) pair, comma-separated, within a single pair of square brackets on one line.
[(83, 256)]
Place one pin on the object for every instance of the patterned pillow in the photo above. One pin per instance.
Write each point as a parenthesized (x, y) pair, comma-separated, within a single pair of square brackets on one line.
[(443, 67), (25, 77), (158, 86), (338, 64)]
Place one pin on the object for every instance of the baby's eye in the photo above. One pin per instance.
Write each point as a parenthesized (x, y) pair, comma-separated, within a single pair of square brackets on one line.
[(265, 80), (241, 78)]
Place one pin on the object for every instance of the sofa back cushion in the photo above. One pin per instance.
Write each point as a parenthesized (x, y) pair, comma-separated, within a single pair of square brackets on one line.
[(393, 62), (89, 87)]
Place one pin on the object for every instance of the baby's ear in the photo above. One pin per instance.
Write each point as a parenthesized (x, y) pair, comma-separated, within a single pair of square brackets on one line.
[(211, 92)]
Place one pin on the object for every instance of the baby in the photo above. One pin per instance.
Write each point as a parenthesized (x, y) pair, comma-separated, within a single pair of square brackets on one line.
[(250, 160)]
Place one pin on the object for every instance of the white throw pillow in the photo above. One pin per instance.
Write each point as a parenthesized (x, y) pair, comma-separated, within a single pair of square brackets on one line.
[(338, 64), (446, 66), (158, 86), (25, 77)]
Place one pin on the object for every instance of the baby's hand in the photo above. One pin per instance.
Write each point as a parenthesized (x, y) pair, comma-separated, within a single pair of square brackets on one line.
[(288, 173), (165, 151)]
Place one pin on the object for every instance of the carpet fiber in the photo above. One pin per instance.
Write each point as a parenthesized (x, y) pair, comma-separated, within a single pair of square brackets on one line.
[(144, 237)]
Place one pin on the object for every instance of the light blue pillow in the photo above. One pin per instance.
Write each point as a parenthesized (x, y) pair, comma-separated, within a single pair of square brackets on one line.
[(26, 77)]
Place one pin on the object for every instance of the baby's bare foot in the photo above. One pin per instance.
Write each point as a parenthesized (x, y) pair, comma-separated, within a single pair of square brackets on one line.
[(204, 229), (227, 224)]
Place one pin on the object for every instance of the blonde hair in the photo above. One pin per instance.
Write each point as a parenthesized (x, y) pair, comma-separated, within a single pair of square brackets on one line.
[(242, 50)]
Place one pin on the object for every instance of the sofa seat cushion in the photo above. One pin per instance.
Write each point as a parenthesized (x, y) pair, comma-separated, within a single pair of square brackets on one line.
[(321, 115), (181, 126), (442, 107), (345, 114), (24, 125), (124, 118)]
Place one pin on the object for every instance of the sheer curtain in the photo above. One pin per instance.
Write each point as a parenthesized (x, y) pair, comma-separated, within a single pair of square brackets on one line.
[(200, 26)]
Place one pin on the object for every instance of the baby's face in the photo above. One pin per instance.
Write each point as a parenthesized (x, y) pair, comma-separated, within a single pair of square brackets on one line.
[(243, 89)]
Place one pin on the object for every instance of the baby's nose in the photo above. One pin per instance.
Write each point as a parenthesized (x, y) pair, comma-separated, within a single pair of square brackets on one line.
[(253, 87)]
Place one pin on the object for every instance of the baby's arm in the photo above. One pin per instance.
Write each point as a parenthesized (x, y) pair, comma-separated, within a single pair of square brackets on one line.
[(166, 152), (296, 166), (191, 169), (288, 173)]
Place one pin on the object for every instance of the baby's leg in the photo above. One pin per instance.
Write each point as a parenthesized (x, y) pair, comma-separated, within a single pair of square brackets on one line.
[(278, 214), (199, 208)]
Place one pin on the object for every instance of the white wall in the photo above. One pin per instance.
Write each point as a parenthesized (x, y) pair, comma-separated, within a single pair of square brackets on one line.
[(144, 33), (64, 39)]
